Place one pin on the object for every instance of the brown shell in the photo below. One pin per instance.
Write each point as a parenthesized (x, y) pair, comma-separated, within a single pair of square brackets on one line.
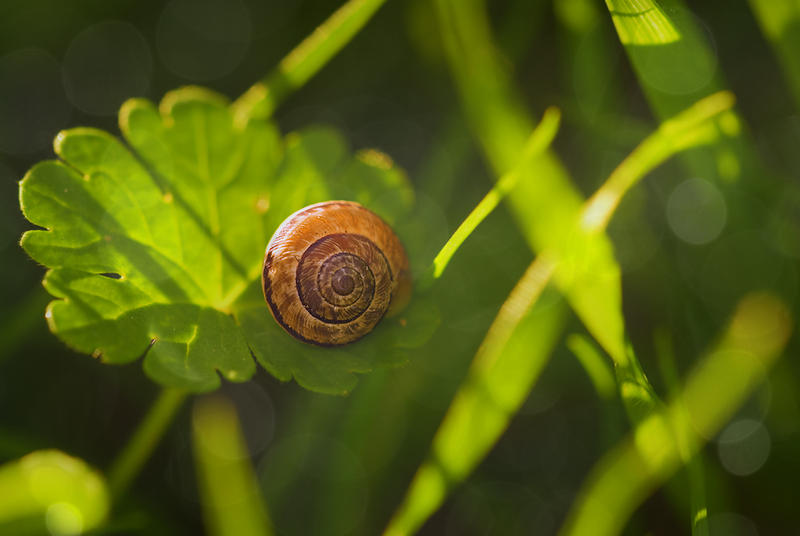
[(332, 270)]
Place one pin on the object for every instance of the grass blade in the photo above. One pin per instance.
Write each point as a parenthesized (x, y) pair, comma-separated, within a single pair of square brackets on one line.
[(504, 370), (539, 141), (545, 208), (229, 492), (691, 128), (594, 364), (306, 59), (779, 22), (755, 338), (638, 22), (523, 333), (695, 473), (674, 74)]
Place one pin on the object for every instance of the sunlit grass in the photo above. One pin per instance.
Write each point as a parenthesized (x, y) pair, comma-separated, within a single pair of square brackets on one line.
[(674, 57), (755, 338), (545, 208), (539, 141), (675, 74), (522, 334), (691, 128), (641, 22), (695, 472)]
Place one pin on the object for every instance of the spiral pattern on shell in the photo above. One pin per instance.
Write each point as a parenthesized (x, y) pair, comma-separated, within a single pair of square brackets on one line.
[(331, 272)]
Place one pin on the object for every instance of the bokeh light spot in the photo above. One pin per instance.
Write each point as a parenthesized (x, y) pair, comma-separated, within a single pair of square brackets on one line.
[(63, 518), (696, 211), (33, 106), (744, 447), (731, 524), (106, 64), (203, 40)]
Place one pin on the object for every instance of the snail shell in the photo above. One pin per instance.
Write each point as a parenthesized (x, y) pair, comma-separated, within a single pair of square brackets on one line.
[(331, 272)]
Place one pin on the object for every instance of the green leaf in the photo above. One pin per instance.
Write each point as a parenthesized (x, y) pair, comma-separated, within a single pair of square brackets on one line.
[(48, 491), (159, 251), (229, 492), (755, 338)]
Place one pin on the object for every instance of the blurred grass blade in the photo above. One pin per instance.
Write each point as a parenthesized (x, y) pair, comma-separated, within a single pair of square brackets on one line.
[(641, 22), (49, 492), (306, 59), (229, 492), (594, 364), (505, 368), (756, 336), (780, 22), (539, 141), (694, 467), (545, 208), (692, 127), (674, 74)]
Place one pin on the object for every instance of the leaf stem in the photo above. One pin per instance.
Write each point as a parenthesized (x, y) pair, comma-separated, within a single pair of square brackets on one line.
[(305, 60), (144, 440)]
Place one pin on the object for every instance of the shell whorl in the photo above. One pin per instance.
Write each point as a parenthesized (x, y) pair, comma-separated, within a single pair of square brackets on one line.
[(331, 272)]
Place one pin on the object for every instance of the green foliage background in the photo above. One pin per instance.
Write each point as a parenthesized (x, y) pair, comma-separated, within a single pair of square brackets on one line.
[(333, 465)]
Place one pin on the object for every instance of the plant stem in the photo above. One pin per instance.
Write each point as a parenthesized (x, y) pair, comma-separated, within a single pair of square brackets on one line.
[(147, 435), (305, 60)]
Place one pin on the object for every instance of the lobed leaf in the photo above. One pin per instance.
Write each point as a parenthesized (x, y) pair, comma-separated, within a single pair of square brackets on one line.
[(158, 250)]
